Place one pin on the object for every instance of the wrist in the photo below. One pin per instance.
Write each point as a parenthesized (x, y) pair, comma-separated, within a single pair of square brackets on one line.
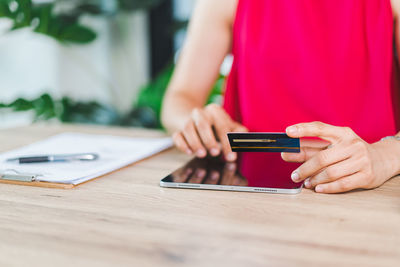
[(389, 153)]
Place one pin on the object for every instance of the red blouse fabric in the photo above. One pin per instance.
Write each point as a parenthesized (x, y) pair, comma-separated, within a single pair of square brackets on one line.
[(307, 60)]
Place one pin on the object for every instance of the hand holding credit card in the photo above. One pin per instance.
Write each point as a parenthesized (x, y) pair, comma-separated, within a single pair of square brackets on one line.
[(263, 142)]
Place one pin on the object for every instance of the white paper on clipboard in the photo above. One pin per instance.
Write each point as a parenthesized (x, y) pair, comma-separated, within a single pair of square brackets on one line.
[(114, 153)]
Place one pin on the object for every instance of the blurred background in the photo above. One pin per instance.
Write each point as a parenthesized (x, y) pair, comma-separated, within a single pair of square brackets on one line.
[(90, 61)]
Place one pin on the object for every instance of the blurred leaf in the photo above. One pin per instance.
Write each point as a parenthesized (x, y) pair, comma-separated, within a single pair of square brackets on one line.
[(217, 91), (21, 104), (43, 13), (179, 25), (65, 26), (77, 34), (25, 10), (141, 117), (5, 9), (145, 114), (89, 113), (89, 8), (152, 95), (131, 5), (44, 107)]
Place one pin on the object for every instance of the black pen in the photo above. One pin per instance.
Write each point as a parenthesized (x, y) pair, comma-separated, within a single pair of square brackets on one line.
[(55, 158)]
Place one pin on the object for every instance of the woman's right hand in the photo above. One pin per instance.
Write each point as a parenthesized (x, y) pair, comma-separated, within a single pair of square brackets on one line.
[(206, 133)]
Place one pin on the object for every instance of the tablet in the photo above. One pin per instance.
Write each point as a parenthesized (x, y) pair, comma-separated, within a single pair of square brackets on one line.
[(252, 172)]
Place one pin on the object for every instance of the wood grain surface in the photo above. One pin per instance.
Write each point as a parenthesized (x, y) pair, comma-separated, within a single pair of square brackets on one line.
[(126, 219)]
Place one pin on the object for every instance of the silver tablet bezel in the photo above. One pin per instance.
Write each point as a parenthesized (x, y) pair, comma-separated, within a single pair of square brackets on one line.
[(231, 188)]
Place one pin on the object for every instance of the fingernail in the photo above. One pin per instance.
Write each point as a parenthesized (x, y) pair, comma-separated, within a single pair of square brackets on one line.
[(292, 130), (307, 183), (201, 153), (214, 152), (189, 152), (231, 157), (319, 189), (295, 176)]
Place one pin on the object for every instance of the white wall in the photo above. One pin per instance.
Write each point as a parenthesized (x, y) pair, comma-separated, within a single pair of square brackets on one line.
[(28, 65), (113, 68)]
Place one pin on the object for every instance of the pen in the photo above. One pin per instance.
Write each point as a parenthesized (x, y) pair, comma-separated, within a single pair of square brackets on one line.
[(55, 158)]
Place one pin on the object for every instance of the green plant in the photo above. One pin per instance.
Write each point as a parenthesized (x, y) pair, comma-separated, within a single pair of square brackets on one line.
[(60, 19), (46, 107), (146, 111), (151, 96)]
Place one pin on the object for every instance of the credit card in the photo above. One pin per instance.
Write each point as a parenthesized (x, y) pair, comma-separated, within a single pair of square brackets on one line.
[(263, 142)]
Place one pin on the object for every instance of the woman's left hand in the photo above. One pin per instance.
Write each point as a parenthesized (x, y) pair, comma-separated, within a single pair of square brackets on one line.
[(348, 163)]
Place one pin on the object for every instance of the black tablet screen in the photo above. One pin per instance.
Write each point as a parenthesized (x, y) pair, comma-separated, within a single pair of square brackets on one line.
[(253, 169)]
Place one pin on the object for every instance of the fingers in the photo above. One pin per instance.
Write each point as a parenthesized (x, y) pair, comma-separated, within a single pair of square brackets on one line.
[(223, 124), (206, 132), (193, 140), (204, 129), (308, 149), (345, 165), (344, 184), (226, 148), (321, 160), (305, 154), (324, 131), (315, 143), (181, 144), (333, 173)]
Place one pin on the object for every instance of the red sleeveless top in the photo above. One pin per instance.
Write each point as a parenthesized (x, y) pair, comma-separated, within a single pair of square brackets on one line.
[(303, 60)]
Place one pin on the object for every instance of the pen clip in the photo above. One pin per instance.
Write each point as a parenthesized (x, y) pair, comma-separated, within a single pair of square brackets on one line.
[(13, 175), (75, 157)]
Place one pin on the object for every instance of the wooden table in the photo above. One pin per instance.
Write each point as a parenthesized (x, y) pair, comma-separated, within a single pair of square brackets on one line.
[(126, 219)]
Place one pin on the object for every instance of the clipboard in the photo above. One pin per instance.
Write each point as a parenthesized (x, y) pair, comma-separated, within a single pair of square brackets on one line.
[(30, 179), (114, 153), (26, 179)]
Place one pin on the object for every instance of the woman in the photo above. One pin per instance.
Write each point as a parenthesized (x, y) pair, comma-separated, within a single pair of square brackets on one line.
[(324, 67)]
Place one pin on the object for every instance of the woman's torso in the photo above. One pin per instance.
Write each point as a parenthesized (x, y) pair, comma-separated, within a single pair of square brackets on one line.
[(305, 60)]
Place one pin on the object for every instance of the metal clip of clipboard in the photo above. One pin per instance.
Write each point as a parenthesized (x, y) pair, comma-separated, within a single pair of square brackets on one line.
[(13, 175)]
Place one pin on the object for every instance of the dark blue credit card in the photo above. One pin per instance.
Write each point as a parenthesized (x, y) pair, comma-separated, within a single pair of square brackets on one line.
[(263, 142)]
